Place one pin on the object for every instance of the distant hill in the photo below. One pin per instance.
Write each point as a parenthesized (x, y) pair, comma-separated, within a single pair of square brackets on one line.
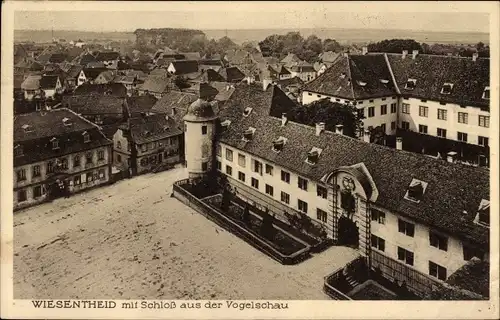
[(41, 36), (174, 38)]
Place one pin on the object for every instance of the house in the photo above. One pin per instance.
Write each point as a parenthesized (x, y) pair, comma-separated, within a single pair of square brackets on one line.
[(57, 153), (290, 60), (282, 73), (86, 58), (105, 77), (329, 57), (147, 143), (231, 74), (174, 104), (210, 64), (129, 81), (156, 85), (304, 70), (31, 86), (320, 68), (412, 218), (51, 85), (112, 89), (292, 85), (138, 105), (108, 58), (190, 55), (88, 75), (72, 77), (236, 57), (182, 67)]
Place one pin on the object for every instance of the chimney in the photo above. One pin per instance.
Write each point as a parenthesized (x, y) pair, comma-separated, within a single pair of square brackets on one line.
[(475, 55), (405, 53), (451, 156), (339, 129), (414, 54), (320, 127), (399, 143), (366, 136), (364, 50), (284, 119)]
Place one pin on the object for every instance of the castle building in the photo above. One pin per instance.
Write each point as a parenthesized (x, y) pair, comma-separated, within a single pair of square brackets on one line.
[(414, 218)]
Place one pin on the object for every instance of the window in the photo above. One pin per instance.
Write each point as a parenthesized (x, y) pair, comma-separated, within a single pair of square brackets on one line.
[(241, 160), (484, 121), (393, 125), (285, 197), (86, 137), (378, 216), (422, 128), (21, 175), (371, 112), (285, 176), (218, 150), (405, 125), (118, 158), (405, 108), (446, 89), (203, 129), (441, 133), (302, 205), (322, 192), (470, 252), (204, 151), (102, 174), (204, 166), (64, 163), (269, 169), (442, 103), (321, 215), (119, 145), (37, 191), (383, 128), (371, 100), (144, 147), (482, 141), (218, 165), (438, 241), (100, 155), (255, 183), (437, 271), (88, 157), (462, 136), (406, 227), (423, 111), (229, 170), (410, 84), (257, 167), (77, 180), (486, 93), (21, 195), (302, 183), (442, 114), (383, 109), (394, 108), (463, 117), (50, 167), (405, 256), (18, 151), (36, 171), (229, 154), (241, 176), (55, 144), (269, 190), (378, 243)]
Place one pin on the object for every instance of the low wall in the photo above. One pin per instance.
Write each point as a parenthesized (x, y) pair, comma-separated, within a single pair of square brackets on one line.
[(220, 219)]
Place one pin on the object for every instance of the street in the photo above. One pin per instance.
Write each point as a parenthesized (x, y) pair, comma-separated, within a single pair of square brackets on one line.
[(131, 240)]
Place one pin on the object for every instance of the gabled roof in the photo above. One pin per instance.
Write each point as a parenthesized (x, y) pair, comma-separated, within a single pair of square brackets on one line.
[(225, 90), (48, 81), (449, 203), (329, 56), (203, 90), (138, 104), (157, 84), (107, 75), (32, 82), (185, 66), (94, 104), (302, 66), (152, 127), (191, 55), (174, 99), (74, 71), (290, 81), (92, 73), (86, 59), (291, 58), (57, 58), (107, 56), (114, 89), (211, 62), (238, 56), (232, 74)]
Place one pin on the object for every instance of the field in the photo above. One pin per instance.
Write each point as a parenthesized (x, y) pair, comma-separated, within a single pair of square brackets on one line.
[(131, 240)]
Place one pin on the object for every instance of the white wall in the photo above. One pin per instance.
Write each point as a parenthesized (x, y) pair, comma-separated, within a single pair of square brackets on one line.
[(195, 142)]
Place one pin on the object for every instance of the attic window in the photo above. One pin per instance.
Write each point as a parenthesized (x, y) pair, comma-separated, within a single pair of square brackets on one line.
[(86, 137), (55, 143), (483, 214), (166, 128), (411, 84), (416, 190), (225, 123), (313, 156), (278, 144), (18, 150), (446, 89), (248, 134), (361, 83), (486, 93), (384, 81), (27, 128), (147, 133), (342, 75), (66, 122), (247, 111)]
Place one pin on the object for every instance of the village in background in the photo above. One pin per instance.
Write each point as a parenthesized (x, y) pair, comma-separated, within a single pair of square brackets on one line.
[(178, 166)]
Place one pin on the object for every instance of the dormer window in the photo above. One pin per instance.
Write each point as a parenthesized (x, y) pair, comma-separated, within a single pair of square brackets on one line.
[(248, 134), (483, 214), (361, 83), (225, 123), (486, 93), (166, 128), (278, 144), (55, 143), (416, 190), (66, 122), (411, 84), (86, 137), (384, 81), (18, 150), (447, 87), (27, 128), (342, 75), (313, 156), (247, 111)]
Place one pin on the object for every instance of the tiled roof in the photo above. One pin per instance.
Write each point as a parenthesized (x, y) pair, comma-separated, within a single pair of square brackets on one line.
[(355, 77), (107, 75), (86, 59), (238, 56), (469, 78), (151, 127), (283, 71), (138, 104), (453, 194), (18, 80), (203, 90), (32, 82), (57, 58), (211, 62), (191, 55), (114, 89), (107, 56), (329, 56), (291, 58), (74, 71), (302, 66), (232, 74), (185, 66), (473, 276), (157, 84), (47, 125), (94, 104), (210, 75), (174, 99), (92, 73), (225, 90), (290, 81), (48, 81)]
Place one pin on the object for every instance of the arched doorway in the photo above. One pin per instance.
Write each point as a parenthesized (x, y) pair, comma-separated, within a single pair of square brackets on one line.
[(348, 233)]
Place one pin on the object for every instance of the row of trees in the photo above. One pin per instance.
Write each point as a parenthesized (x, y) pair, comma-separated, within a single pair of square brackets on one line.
[(398, 45)]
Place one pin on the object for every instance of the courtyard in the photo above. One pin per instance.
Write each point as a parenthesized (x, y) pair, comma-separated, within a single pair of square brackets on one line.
[(131, 240)]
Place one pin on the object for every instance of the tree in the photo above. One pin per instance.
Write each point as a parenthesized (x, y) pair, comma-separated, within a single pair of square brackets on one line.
[(480, 46), (331, 45), (245, 217), (266, 228), (395, 46)]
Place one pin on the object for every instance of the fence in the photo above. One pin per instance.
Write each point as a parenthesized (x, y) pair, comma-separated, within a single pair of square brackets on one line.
[(220, 219)]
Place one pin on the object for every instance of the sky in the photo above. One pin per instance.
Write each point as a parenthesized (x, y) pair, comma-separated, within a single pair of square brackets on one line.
[(447, 17)]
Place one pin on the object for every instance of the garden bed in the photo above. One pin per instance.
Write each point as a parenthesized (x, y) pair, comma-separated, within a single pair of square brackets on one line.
[(371, 290), (280, 240), (200, 189)]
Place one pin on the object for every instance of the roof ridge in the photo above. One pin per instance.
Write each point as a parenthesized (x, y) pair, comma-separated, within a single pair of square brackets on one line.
[(393, 78), (84, 119), (350, 76)]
